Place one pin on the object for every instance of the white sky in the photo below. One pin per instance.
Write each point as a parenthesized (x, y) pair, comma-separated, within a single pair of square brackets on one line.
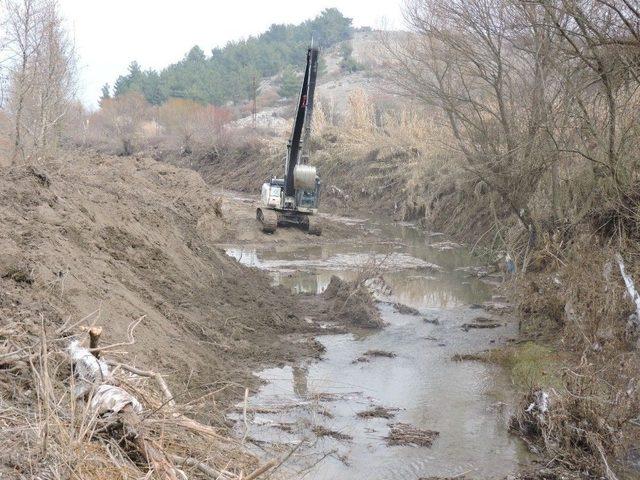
[(108, 35)]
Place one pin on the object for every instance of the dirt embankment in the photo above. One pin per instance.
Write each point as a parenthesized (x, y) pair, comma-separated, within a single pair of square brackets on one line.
[(130, 245), (113, 239), (376, 180)]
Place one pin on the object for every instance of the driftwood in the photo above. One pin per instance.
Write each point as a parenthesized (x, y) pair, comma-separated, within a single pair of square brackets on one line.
[(166, 393), (263, 469), (192, 462), (468, 326)]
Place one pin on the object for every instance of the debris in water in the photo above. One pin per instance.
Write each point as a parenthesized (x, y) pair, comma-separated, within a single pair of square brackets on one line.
[(352, 304), (432, 321), (483, 320), (316, 346), (285, 427), (378, 287), (461, 357), (443, 246), (378, 412), (430, 338), (405, 309), (405, 434), (362, 359), (467, 326), (455, 477), (332, 397), (379, 353), (497, 307), (321, 431), (478, 272), (366, 356), (325, 413)]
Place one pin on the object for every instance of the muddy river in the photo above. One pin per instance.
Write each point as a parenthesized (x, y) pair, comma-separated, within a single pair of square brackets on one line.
[(468, 402)]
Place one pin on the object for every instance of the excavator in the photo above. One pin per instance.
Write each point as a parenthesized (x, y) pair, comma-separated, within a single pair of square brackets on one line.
[(293, 200)]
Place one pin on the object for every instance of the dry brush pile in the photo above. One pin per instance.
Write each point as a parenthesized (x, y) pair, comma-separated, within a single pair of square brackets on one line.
[(589, 418), (75, 411)]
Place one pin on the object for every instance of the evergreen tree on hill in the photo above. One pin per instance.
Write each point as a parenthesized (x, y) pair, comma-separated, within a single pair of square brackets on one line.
[(289, 83), (105, 94), (230, 73)]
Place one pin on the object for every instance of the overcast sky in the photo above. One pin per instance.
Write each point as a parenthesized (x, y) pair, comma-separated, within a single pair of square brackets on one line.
[(111, 34)]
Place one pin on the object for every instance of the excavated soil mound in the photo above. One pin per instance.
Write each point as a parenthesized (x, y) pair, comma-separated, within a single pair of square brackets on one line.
[(115, 238), (352, 304)]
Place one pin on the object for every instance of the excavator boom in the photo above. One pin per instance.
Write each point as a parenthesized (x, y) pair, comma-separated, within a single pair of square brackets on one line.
[(303, 119)]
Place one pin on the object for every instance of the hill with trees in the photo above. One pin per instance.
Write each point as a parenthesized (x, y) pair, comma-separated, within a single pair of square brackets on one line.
[(232, 73)]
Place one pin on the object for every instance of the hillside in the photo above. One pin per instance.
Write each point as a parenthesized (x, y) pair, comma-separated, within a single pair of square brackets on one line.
[(337, 84), (232, 73)]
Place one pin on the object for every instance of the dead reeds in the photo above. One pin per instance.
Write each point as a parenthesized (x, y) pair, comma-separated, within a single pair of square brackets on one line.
[(67, 410)]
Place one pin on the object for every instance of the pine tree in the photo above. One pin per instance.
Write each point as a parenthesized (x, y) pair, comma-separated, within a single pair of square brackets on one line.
[(105, 94), (289, 83)]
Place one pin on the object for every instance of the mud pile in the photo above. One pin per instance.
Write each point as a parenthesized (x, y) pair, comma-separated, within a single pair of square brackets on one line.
[(111, 239), (351, 304)]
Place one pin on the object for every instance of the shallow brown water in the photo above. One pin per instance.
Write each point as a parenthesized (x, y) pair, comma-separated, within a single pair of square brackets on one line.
[(467, 402)]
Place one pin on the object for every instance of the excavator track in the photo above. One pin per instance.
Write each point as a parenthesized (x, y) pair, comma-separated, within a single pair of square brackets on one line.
[(268, 219), (313, 226)]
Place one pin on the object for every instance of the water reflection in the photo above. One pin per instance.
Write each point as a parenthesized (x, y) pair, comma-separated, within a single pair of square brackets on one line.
[(300, 374), (404, 262)]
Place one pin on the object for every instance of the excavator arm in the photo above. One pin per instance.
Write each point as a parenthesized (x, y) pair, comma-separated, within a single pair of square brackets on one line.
[(302, 120)]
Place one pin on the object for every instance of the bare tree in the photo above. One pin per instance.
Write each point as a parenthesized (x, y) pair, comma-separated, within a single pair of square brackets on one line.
[(121, 119), (485, 65), (598, 43), (532, 91), (41, 73)]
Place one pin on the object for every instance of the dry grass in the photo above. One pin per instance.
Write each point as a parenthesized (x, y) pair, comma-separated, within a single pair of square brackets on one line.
[(49, 433), (593, 389)]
